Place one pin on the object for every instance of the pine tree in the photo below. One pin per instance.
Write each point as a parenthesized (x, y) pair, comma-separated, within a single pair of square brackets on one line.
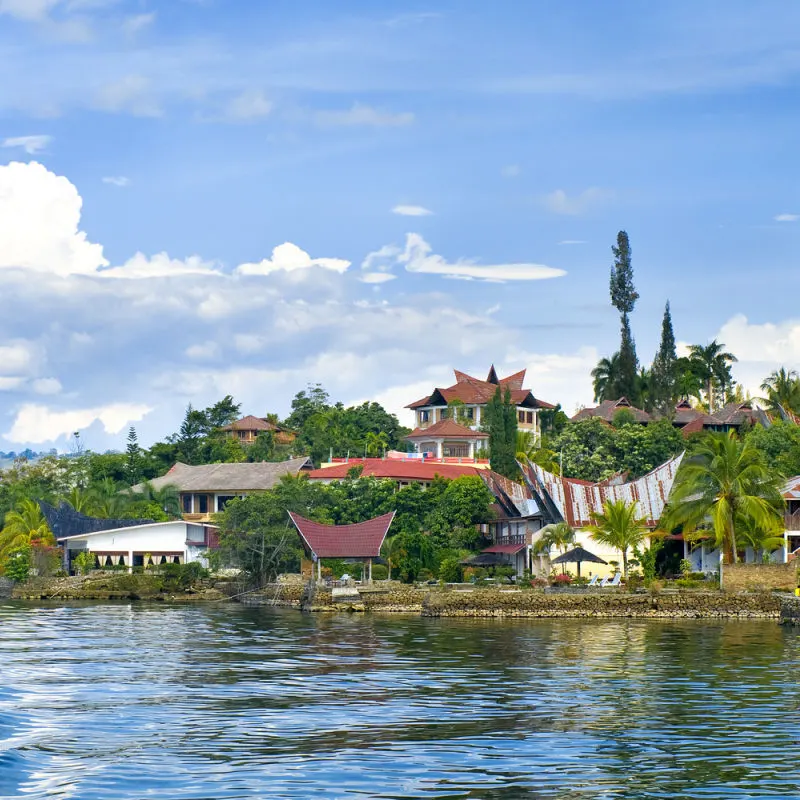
[(133, 467), (623, 298), (501, 422), (664, 373)]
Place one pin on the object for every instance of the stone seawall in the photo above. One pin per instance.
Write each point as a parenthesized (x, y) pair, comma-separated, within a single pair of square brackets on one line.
[(694, 605)]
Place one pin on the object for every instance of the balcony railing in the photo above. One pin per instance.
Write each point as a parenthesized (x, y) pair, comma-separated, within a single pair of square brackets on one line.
[(515, 538)]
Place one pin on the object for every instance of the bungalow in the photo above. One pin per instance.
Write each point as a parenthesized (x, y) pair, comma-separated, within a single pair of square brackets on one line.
[(448, 439), (247, 429), (207, 488), (471, 396), (149, 544)]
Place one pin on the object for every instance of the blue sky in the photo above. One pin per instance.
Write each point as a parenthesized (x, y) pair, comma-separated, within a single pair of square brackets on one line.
[(443, 182)]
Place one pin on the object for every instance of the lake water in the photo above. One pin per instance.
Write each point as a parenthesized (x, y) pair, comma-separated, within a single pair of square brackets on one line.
[(118, 701)]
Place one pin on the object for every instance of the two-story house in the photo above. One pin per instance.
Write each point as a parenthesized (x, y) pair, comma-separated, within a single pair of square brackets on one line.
[(448, 420)]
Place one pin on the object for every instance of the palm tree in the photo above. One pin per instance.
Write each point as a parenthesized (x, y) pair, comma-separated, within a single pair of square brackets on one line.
[(722, 484), (618, 527), (604, 378), (689, 384), (782, 389), (23, 526), (559, 535), (713, 365), (167, 497), (375, 443), (81, 500), (760, 539)]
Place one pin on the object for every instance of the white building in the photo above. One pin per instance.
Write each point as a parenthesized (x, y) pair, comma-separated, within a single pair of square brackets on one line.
[(176, 542)]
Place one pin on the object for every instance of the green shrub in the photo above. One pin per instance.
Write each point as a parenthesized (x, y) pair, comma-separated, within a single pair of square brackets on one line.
[(688, 583), (685, 567), (84, 562), (18, 565), (450, 570), (380, 572)]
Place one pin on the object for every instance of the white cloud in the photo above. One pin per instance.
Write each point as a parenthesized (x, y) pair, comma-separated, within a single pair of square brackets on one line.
[(130, 94), (511, 171), (30, 144), (138, 22), (10, 383), (203, 352), (117, 180), (47, 386), (39, 217), (32, 10), (417, 256), (36, 424), (248, 106), (160, 266), (787, 217), (288, 257), (412, 211), (248, 343), (559, 202), (19, 357), (361, 114), (377, 277), (572, 241)]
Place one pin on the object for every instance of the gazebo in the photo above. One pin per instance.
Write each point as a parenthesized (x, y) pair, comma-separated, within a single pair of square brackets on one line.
[(360, 541)]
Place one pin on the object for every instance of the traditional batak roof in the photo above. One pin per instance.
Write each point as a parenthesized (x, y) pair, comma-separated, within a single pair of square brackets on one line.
[(575, 501), (394, 469), (239, 477), (685, 415), (474, 391), (446, 429), (251, 423), (608, 408), (514, 501), (362, 540)]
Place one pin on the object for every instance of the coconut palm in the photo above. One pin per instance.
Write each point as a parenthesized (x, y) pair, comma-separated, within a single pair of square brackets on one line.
[(713, 365), (761, 539), (375, 443), (688, 383), (723, 483), (782, 388), (604, 378), (618, 527), (23, 526), (559, 535)]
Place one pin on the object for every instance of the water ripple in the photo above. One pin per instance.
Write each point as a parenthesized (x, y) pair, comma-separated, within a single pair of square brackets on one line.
[(130, 701)]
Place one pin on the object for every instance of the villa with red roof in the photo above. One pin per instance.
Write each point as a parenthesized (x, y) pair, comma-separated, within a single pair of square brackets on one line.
[(449, 419), (403, 471)]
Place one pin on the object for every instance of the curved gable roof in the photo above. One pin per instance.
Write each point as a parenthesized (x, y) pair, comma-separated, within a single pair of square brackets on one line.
[(361, 540)]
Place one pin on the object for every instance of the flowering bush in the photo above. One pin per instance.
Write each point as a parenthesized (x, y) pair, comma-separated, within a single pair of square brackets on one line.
[(562, 580), (538, 583)]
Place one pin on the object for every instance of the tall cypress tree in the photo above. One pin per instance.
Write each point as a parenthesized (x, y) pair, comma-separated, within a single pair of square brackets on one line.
[(663, 375), (501, 422), (623, 298)]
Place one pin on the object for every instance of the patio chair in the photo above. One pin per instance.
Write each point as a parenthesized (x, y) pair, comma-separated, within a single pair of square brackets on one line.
[(594, 580), (616, 581)]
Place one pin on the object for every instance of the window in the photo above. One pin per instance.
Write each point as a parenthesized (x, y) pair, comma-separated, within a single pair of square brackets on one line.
[(470, 413), (444, 413), (203, 503), (424, 416), (186, 499), (521, 416), (529, 417), (223, 501)]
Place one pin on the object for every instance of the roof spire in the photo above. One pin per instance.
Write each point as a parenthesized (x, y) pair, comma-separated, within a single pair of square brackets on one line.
[(492, 377)]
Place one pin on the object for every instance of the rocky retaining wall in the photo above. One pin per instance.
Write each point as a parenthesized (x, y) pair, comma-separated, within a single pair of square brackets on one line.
[(493, 603), (113, 586), (790, 611), (759, 577)]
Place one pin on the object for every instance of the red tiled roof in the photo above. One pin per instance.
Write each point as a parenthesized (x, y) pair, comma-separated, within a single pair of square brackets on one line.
[(447, 428), (362, 540), (394, 469), (509, 549), (472, 390)]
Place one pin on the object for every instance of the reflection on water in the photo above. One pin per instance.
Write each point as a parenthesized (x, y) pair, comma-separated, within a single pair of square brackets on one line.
[(226, 702)]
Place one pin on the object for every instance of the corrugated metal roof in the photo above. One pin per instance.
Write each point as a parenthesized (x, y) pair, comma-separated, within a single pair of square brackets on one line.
[(577, 502)]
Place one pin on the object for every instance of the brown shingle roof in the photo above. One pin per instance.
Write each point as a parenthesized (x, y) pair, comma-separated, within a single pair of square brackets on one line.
[(239, 477), (362, 540), (608, 408), (251, 423), (685, 414), (447, 428)]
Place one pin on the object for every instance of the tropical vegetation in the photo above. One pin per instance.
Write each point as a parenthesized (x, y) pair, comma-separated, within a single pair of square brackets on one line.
[(617, 527)]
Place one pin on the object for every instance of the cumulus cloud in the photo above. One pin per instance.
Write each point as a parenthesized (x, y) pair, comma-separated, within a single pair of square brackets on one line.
[(787, 217), (248, 106), (47, 386), (288, 257), (377, 277), (30, 144), (119, 180), (418, 256), (412, 211), (559, 202), (361, 114), (36, 424), (39, 217), (19, 357), (160, 265), (31, 10)]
